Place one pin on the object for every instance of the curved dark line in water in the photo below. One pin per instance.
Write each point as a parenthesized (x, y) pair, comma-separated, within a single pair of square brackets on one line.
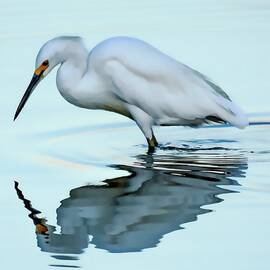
[(257, 123), (187, 149), (65, 257), (64, 266)]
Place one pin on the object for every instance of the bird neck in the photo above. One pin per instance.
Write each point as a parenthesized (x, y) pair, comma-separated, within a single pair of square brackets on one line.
[(69, 75)]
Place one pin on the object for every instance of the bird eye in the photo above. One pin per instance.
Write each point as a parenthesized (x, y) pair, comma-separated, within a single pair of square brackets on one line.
[(45, 63)]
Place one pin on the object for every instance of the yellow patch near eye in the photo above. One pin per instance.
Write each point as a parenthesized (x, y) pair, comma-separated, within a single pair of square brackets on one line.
[(41, 68)]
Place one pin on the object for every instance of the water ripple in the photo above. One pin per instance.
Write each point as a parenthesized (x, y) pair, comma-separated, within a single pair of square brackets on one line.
[(132, 213)]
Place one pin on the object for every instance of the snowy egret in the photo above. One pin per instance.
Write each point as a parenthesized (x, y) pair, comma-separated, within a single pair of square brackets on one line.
[(130, 77)]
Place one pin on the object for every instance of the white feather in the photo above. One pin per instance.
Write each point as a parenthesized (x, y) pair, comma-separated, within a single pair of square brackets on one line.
[(130, 77)]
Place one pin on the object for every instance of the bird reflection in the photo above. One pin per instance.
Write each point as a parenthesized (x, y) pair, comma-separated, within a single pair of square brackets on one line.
[(132, 213)]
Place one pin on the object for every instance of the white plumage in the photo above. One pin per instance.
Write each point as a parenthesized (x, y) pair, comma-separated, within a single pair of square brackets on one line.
[(128, 76)]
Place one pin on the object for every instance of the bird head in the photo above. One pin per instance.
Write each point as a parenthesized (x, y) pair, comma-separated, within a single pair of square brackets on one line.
[(52, 53)]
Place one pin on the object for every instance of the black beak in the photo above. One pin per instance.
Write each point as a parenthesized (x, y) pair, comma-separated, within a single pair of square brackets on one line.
[(35, 80)]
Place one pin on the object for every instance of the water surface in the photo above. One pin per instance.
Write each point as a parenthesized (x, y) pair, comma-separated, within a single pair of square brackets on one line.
[(86, 195)]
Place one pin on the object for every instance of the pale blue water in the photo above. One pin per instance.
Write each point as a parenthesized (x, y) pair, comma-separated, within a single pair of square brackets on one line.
[(201, 202)]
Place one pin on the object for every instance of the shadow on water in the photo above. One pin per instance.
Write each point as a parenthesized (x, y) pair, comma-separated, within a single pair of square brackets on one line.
[(132, 213)]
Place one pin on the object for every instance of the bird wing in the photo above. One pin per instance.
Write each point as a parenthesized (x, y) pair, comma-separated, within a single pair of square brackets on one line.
[(168, 91), (212, 85)]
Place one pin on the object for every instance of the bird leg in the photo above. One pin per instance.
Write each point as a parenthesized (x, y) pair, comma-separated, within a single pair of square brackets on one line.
[(145, 123), (154, 139), (152, 143)]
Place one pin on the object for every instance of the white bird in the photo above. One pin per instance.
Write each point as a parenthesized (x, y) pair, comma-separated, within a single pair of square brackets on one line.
[(130, 77)]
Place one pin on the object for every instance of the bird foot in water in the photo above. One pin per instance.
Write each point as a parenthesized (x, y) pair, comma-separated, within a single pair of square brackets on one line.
[(152, 143)]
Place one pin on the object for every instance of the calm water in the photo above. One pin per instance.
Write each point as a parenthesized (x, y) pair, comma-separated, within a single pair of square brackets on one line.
[(78, 190)]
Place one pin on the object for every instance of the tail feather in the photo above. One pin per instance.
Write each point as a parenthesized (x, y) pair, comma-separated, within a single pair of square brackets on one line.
[(231, 113)]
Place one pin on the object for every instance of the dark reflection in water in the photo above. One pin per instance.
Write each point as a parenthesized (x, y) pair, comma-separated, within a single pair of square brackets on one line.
[(131, 213)]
